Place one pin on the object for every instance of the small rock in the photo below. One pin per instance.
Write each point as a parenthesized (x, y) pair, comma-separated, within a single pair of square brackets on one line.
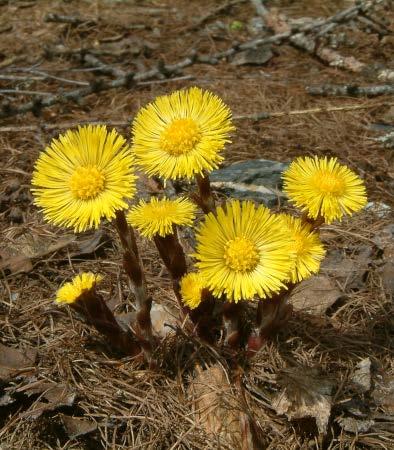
[(379, 208), (387, 274), (257, 179), (253, 56), (256, 25), (355, 426), (362, 375)]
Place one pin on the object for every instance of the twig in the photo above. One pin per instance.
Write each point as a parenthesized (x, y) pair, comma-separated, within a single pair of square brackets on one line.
[(303, 41), (72, 20), (125, 123), (99, 85), (266, 115), (23, 92), (352, 90)]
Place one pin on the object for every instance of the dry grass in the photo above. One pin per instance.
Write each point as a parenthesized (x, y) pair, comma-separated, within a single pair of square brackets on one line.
[(132, 406)]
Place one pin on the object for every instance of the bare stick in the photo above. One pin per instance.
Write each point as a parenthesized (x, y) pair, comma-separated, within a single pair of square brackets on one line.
[(125, 123), (352, 90)]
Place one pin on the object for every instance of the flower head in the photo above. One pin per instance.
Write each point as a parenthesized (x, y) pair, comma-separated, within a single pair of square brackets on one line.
[(243, 251), (191, 286), (70, 292), (306, 244), (83, 176), (323, 187), (160, 216), (181, 134)]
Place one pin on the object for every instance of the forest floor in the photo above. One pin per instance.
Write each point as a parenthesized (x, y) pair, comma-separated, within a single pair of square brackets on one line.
[(327, 379)]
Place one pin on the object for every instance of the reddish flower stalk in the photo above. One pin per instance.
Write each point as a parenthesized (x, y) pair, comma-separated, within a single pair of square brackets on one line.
[(204, 198), (134, 270), (93, 308), (271, 315), (173, 256), (203, 317), (232, 318)]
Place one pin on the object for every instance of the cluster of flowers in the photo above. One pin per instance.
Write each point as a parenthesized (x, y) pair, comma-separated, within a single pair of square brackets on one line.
[(243, 252)]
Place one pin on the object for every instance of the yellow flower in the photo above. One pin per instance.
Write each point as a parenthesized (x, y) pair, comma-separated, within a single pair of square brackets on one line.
[(160, 216), (309, 250), (181, 134), (191, 286), (323, 187), (243, 251), (70, 292), (84, 176)]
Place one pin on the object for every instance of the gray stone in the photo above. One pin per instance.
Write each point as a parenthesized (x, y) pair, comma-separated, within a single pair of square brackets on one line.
[(257, 179), (253, 56)]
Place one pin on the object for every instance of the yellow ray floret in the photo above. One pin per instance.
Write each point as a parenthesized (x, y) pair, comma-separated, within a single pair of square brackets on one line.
[(70, 292), (160, 216), (191, 286), (243, 251), (84, 176), (323, 187), (181, 134), (308, 248)]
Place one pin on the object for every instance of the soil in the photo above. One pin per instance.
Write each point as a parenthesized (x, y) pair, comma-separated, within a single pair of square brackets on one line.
[(130, 405)]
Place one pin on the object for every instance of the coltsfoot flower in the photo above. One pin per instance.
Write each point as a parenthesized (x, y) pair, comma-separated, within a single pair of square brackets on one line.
[(84, 176), (324, 188), (308, 248), (181, 134), (158, 217), (243, 251), (191, 287), (70, 292)]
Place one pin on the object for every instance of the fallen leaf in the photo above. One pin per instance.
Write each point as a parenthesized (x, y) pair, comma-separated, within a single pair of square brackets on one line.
[(355, 426), (53, 396), (14, 361), (304, 394), (88, 245), (362, 375), (77, 426), (20, 257), (349, 271), (217, 410), (315, 295)]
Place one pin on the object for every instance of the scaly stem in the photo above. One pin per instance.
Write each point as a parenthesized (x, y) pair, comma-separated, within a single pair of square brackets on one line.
[(203, 317), (133, 267), (205, 198), (271, 314), (232, 318), (93, 308), (173, 256)]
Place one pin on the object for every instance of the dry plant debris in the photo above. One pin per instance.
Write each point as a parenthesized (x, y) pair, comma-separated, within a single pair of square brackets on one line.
[(133, 407)]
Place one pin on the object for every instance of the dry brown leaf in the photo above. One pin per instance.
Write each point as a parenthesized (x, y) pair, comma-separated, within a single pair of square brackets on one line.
[(304, 394), (77, 426), (315, 295), (349, 272), (53, 396), (90, 244), (13, 361), (19, 258), (217, 410)]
